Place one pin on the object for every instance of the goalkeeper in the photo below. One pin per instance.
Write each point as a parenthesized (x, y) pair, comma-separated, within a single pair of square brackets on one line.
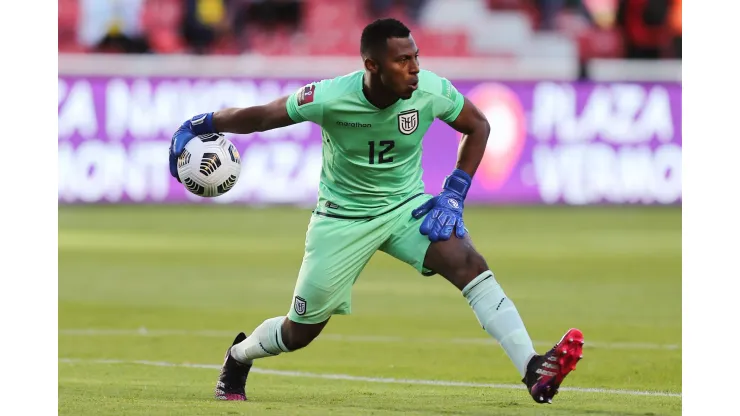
[(371, 197)]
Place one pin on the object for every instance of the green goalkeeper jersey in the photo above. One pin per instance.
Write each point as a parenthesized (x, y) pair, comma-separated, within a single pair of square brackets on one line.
[(371, 157)]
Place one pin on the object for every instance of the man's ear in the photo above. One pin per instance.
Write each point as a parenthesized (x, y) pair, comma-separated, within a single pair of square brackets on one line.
[(371, 66)]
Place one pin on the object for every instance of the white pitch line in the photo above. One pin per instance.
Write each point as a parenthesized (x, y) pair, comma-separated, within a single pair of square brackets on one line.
[(358, 338), (382, 380)]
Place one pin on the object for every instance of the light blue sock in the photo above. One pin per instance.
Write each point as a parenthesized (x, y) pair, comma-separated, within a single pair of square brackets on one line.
[(265, 341), (498, 316)]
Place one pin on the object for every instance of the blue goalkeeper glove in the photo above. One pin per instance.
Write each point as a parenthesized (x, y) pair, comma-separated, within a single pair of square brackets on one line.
[(445, 211), (196, 126)]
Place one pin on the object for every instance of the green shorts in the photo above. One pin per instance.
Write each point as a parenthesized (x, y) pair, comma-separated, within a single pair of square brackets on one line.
[(337, 251)]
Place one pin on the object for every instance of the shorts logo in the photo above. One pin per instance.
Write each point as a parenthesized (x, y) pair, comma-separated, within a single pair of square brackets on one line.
[(299, 305), (408, 121), (306, 95)]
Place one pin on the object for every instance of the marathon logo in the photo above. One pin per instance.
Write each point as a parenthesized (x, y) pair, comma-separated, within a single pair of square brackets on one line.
[(353, 124)]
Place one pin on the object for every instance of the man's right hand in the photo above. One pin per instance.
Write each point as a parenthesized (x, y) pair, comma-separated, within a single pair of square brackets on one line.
[(196, 126)]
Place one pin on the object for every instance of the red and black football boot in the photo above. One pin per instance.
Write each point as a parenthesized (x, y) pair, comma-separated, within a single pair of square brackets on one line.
[(232, 381), (546, 372)]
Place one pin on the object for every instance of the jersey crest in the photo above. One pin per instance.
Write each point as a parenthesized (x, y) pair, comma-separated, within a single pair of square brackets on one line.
[(408, 121)]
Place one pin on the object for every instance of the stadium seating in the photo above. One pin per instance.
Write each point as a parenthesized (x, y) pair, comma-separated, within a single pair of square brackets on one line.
[(332, 27), (69, 12), (161, 20)]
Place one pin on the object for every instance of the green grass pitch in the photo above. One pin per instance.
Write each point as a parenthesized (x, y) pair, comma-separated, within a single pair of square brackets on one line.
[(150, 298)]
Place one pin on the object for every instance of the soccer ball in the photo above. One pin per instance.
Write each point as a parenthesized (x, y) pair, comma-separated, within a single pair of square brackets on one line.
[(209, 166)]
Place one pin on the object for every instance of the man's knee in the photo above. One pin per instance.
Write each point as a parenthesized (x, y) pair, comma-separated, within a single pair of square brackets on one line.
[(456, 260), (297, 335), (471, 266)]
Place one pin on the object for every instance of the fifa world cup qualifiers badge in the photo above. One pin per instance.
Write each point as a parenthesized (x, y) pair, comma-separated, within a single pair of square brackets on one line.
[(306, 95)]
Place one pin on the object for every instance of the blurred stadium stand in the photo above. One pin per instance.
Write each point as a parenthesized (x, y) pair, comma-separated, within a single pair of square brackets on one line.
[(579, 31), (585, 94)]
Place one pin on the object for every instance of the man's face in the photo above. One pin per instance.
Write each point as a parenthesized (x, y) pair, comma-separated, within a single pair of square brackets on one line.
[(399, 68)]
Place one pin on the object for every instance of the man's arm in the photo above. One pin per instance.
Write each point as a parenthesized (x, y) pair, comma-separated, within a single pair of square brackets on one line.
[(251, 119), (475, 129)]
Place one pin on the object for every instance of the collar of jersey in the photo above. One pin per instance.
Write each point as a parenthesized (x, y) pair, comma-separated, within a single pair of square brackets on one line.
[(366, 101)]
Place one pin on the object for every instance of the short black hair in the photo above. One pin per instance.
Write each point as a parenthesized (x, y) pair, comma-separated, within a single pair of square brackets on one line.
[(375, 35)]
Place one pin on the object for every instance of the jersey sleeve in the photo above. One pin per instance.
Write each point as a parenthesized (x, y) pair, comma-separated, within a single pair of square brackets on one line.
[(447, 100), (307, 103)]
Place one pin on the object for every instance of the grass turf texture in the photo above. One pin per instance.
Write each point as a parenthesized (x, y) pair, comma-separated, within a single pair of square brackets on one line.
[(175, 284)]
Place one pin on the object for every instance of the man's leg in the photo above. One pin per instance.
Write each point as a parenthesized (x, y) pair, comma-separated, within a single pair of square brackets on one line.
[(336, 252), (272, 337), (458, 262)]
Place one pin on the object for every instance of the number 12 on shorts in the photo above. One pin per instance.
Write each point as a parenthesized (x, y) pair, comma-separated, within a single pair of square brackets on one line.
[(383, 146)]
